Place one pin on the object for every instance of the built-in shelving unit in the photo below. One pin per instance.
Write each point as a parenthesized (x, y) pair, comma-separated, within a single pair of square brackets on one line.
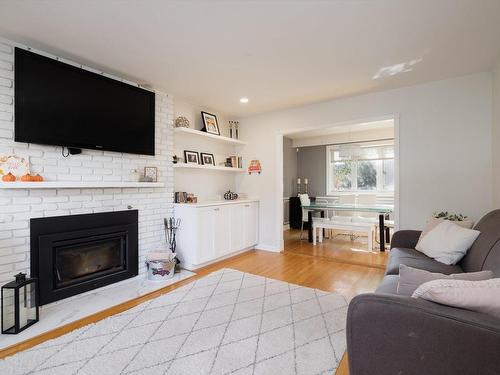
[(213, 137), (78, 185), (208, 167)]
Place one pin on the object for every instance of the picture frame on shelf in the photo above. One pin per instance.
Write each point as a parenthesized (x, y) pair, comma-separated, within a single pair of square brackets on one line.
[(191, 157), (207, 159), (210, 123), (16, 165), (151, 173)]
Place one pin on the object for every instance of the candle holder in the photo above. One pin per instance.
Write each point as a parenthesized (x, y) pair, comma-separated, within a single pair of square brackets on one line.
[(19, 304)]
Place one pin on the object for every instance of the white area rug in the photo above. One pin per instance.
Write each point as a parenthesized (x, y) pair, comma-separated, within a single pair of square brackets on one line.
[(228, 322)]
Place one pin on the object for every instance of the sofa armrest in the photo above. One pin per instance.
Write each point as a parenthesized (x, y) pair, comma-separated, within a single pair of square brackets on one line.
[(405, 238), (390, 334)]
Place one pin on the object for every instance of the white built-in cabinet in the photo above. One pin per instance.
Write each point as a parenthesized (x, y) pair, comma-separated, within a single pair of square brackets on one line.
[(212, 231)]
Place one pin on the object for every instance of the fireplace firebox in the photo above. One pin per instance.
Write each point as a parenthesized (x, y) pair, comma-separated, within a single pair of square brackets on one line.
[(77, 253)]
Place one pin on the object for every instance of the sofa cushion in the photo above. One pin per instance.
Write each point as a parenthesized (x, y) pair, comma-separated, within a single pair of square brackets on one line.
[(389, 285), (485, 252), (415, 259), (411, 278)]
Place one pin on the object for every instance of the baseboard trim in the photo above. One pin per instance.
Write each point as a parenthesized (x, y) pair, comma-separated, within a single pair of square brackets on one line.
[(196, 267), (267, 247)]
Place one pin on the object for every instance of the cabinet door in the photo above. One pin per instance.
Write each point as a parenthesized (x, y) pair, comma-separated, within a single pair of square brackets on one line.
[(250, 219), (237, 227), (222, 231), (206, 235)]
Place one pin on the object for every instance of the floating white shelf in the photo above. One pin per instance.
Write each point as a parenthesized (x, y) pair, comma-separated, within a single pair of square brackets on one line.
[(213, 137), (77, 185), (208, 167)]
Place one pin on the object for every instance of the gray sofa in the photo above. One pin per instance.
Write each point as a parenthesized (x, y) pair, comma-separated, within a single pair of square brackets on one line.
[(392, 334)]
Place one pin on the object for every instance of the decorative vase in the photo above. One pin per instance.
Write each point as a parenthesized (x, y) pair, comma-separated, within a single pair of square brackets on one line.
[(135, 175), (181, 122)]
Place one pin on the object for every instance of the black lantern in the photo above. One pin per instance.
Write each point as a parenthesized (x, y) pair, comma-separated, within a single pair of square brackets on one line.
[(19, 304)]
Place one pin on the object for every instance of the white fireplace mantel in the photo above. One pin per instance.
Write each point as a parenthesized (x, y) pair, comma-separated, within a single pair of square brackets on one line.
[(78, 185)]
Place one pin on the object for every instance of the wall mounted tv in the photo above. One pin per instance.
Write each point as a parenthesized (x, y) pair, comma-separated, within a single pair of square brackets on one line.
[(64, 105)]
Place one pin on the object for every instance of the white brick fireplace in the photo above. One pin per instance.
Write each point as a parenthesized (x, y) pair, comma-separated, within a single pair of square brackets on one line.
[(17, 206)]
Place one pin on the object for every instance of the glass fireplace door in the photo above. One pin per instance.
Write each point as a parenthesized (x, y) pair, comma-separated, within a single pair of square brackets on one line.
[(82, 261)]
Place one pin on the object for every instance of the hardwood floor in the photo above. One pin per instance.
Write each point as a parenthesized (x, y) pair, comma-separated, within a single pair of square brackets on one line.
[(340, 248), (343, 270)]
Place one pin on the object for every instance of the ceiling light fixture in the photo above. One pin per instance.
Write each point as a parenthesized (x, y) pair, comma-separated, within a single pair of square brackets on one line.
[(404, 67), (244, 100)]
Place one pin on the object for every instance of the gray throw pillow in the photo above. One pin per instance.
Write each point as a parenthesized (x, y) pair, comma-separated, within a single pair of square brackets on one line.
[(411, 278)]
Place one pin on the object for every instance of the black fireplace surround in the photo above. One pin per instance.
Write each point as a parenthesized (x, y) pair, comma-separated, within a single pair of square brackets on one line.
[(77, 253)]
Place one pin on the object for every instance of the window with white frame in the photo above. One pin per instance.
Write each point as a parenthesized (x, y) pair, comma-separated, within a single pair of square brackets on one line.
[(364, 166)]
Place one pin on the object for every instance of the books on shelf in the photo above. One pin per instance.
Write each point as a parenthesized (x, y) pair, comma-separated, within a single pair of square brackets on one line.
[(234, 162)]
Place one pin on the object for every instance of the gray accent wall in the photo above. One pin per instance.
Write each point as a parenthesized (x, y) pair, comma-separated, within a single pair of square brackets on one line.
[(289, 168), (311, 164)]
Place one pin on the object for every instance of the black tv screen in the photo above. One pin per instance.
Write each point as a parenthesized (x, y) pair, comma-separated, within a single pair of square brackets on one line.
[(64, 105)]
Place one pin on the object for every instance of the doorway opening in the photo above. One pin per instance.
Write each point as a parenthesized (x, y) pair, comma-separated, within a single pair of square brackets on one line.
[(344, 178)]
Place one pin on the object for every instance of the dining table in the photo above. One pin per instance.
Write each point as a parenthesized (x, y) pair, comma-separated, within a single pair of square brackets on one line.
[(383, 212)]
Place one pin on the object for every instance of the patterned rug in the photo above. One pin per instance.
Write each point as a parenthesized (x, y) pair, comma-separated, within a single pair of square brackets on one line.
[(228, 322)]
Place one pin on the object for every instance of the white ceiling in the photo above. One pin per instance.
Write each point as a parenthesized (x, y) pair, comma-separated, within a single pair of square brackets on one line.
[(277, 53)]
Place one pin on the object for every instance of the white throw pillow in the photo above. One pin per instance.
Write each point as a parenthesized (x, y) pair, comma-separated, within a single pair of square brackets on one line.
[(447, 242), (482, 296), (433, 222)]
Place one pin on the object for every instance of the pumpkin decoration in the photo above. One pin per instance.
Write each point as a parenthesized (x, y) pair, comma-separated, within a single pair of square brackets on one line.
[(37, 178), (230, 196), (9, 177), (27, 177)]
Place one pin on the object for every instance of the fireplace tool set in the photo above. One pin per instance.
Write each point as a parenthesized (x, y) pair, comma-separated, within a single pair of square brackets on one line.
[(171, 226), (162, 265)]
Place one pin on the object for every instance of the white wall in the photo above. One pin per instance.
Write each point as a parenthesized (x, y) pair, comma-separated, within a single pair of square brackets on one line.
[(18, 206), (444, 138), (496, 136), (206, 185), (290, 168), (193, 113)]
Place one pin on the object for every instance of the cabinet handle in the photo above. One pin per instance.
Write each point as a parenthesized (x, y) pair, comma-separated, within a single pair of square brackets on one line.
[(247, 205), (216, 209)]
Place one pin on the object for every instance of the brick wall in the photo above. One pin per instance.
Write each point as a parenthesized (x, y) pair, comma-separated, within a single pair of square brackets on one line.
[(18, 206)]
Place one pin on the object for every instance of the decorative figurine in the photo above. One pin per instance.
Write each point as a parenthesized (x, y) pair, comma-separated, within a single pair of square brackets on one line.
[(181, 122), (254, 167)]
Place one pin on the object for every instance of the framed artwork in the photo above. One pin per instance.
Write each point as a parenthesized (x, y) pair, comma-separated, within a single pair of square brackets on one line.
[(15, 164), (207, 159), (191, 157), (210, 123), (152, 173)]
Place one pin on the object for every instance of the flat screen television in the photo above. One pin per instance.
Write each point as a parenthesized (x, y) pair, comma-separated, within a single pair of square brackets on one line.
[(64, 105)]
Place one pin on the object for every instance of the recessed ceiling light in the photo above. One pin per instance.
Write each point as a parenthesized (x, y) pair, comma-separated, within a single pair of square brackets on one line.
[(244, 100)]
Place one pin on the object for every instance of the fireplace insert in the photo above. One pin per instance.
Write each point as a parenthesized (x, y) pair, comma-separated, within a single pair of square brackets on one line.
[(77, 253)]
